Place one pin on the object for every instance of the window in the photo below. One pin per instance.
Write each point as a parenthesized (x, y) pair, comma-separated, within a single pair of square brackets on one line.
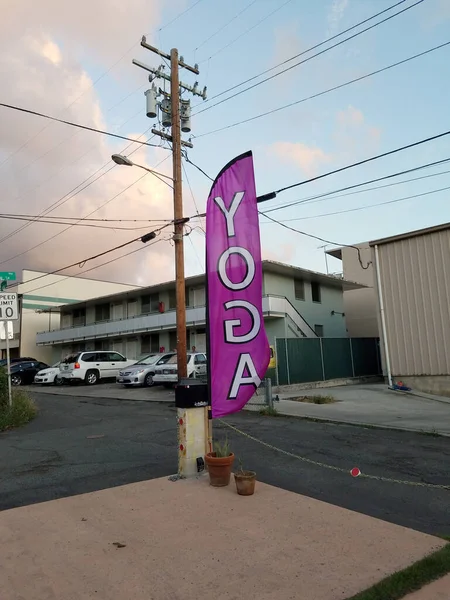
[(102, 312), (114, 357), (172, 300), (172, 340), (79, 317), (316, 292), (149, 303), (150, 343), (200, 359), (90, 357), (101, 345), (319, 330), (299, 287)]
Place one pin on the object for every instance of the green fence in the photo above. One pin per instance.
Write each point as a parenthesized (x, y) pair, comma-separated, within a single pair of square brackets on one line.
[(301, 360)]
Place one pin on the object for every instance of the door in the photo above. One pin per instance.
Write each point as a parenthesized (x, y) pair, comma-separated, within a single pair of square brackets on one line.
[(103, 364), (132, 308), (132, 348), (200, 342), (115, 364), (199, 296), (117, 311)]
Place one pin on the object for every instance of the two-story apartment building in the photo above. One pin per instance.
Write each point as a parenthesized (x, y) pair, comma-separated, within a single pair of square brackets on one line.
[(40, 297), (296, 303)]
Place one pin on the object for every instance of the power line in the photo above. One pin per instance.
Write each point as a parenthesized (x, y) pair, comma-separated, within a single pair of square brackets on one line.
[(362, 162), (187, 159), (5, 215), (358, 208), (69, 105), (55, 222), (308, 58), (96, 266), (72, 224), (192, 195), (318, 197), (74, 192), (180, 15), (327, 91), (226, 24), (81, 263), (85, 127), (304, 51), (247, 30), (61, 169), (315, 237)]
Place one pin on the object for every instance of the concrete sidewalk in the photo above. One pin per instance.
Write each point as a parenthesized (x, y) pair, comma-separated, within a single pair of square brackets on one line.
[(168, 540), (372, 404), (438, 590)]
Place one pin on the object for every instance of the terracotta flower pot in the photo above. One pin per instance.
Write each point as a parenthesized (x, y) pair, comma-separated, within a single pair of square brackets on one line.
[(219, 469), (245, 482)]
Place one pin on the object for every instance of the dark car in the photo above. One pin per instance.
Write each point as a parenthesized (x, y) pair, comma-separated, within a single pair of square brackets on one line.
[(3, 361), (22, 373)]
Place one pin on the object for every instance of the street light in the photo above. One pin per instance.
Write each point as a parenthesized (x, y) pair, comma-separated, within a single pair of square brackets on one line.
[(121, 160)]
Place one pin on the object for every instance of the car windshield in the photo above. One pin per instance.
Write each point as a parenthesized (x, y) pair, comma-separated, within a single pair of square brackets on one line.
[(173, 359), (151, 359)]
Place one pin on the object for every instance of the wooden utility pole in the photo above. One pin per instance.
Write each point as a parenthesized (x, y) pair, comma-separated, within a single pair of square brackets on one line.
[(178, 237), (175, 139), (192, 432)]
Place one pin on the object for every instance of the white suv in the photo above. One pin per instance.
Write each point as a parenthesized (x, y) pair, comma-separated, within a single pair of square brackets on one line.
[(167, 374), (90, 367)]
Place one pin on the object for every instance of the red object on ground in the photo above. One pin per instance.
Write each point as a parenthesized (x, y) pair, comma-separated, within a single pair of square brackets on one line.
[(355, 472)]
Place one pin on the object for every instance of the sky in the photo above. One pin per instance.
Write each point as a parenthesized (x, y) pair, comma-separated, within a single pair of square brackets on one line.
[(75, 64)]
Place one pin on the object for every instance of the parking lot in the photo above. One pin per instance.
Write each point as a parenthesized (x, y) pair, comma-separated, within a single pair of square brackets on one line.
[(80, 443)]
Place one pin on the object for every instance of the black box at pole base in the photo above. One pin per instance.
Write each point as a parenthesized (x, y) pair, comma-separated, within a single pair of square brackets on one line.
[(191, 393)]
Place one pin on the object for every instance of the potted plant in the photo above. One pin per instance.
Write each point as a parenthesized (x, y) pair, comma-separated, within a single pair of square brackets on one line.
[(245, 481), (219, 464)]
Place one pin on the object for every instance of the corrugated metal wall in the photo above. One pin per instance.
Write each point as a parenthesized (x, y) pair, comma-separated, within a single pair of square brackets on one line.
[(415, 280)]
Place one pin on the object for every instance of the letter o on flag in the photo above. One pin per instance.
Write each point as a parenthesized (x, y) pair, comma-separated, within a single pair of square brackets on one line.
[(250, 264)]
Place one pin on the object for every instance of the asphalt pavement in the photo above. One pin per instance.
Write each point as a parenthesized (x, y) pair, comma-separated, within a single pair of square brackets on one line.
[(81, 444)]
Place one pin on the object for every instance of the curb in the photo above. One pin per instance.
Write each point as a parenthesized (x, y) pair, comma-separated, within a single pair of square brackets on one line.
[(41, 392), (365, 425)]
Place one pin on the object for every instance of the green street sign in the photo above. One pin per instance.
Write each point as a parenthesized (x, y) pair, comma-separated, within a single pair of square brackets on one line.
[(7, 276)]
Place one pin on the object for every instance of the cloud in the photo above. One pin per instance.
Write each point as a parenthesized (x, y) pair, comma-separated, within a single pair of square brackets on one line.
[(308, 158), (335, 14), (284, 253), (350, 117), (286, 43), (353, 136), (42, 66)]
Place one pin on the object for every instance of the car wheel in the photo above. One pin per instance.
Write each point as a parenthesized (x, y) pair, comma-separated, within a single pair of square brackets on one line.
[(91, 377), (148, 381), (58, 380), (16, 380)]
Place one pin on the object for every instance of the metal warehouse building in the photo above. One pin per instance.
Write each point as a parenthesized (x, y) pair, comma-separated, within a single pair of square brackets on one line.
[(412, 283)]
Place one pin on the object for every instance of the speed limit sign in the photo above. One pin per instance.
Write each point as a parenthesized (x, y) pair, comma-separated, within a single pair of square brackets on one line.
[(8, 307)]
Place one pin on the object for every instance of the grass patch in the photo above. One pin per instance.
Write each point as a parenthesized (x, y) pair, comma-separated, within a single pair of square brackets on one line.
[(22, 411), (315, 399), (411, 579), (269, 412)]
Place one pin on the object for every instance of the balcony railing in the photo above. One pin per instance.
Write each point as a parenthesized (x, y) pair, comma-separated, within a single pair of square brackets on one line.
[(273, 306)]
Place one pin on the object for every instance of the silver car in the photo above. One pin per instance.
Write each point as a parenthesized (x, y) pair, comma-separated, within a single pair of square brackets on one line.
[(142, 372)]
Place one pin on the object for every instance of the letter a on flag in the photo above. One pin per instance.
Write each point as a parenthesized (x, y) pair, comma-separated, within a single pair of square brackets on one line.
[(238, 349)]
